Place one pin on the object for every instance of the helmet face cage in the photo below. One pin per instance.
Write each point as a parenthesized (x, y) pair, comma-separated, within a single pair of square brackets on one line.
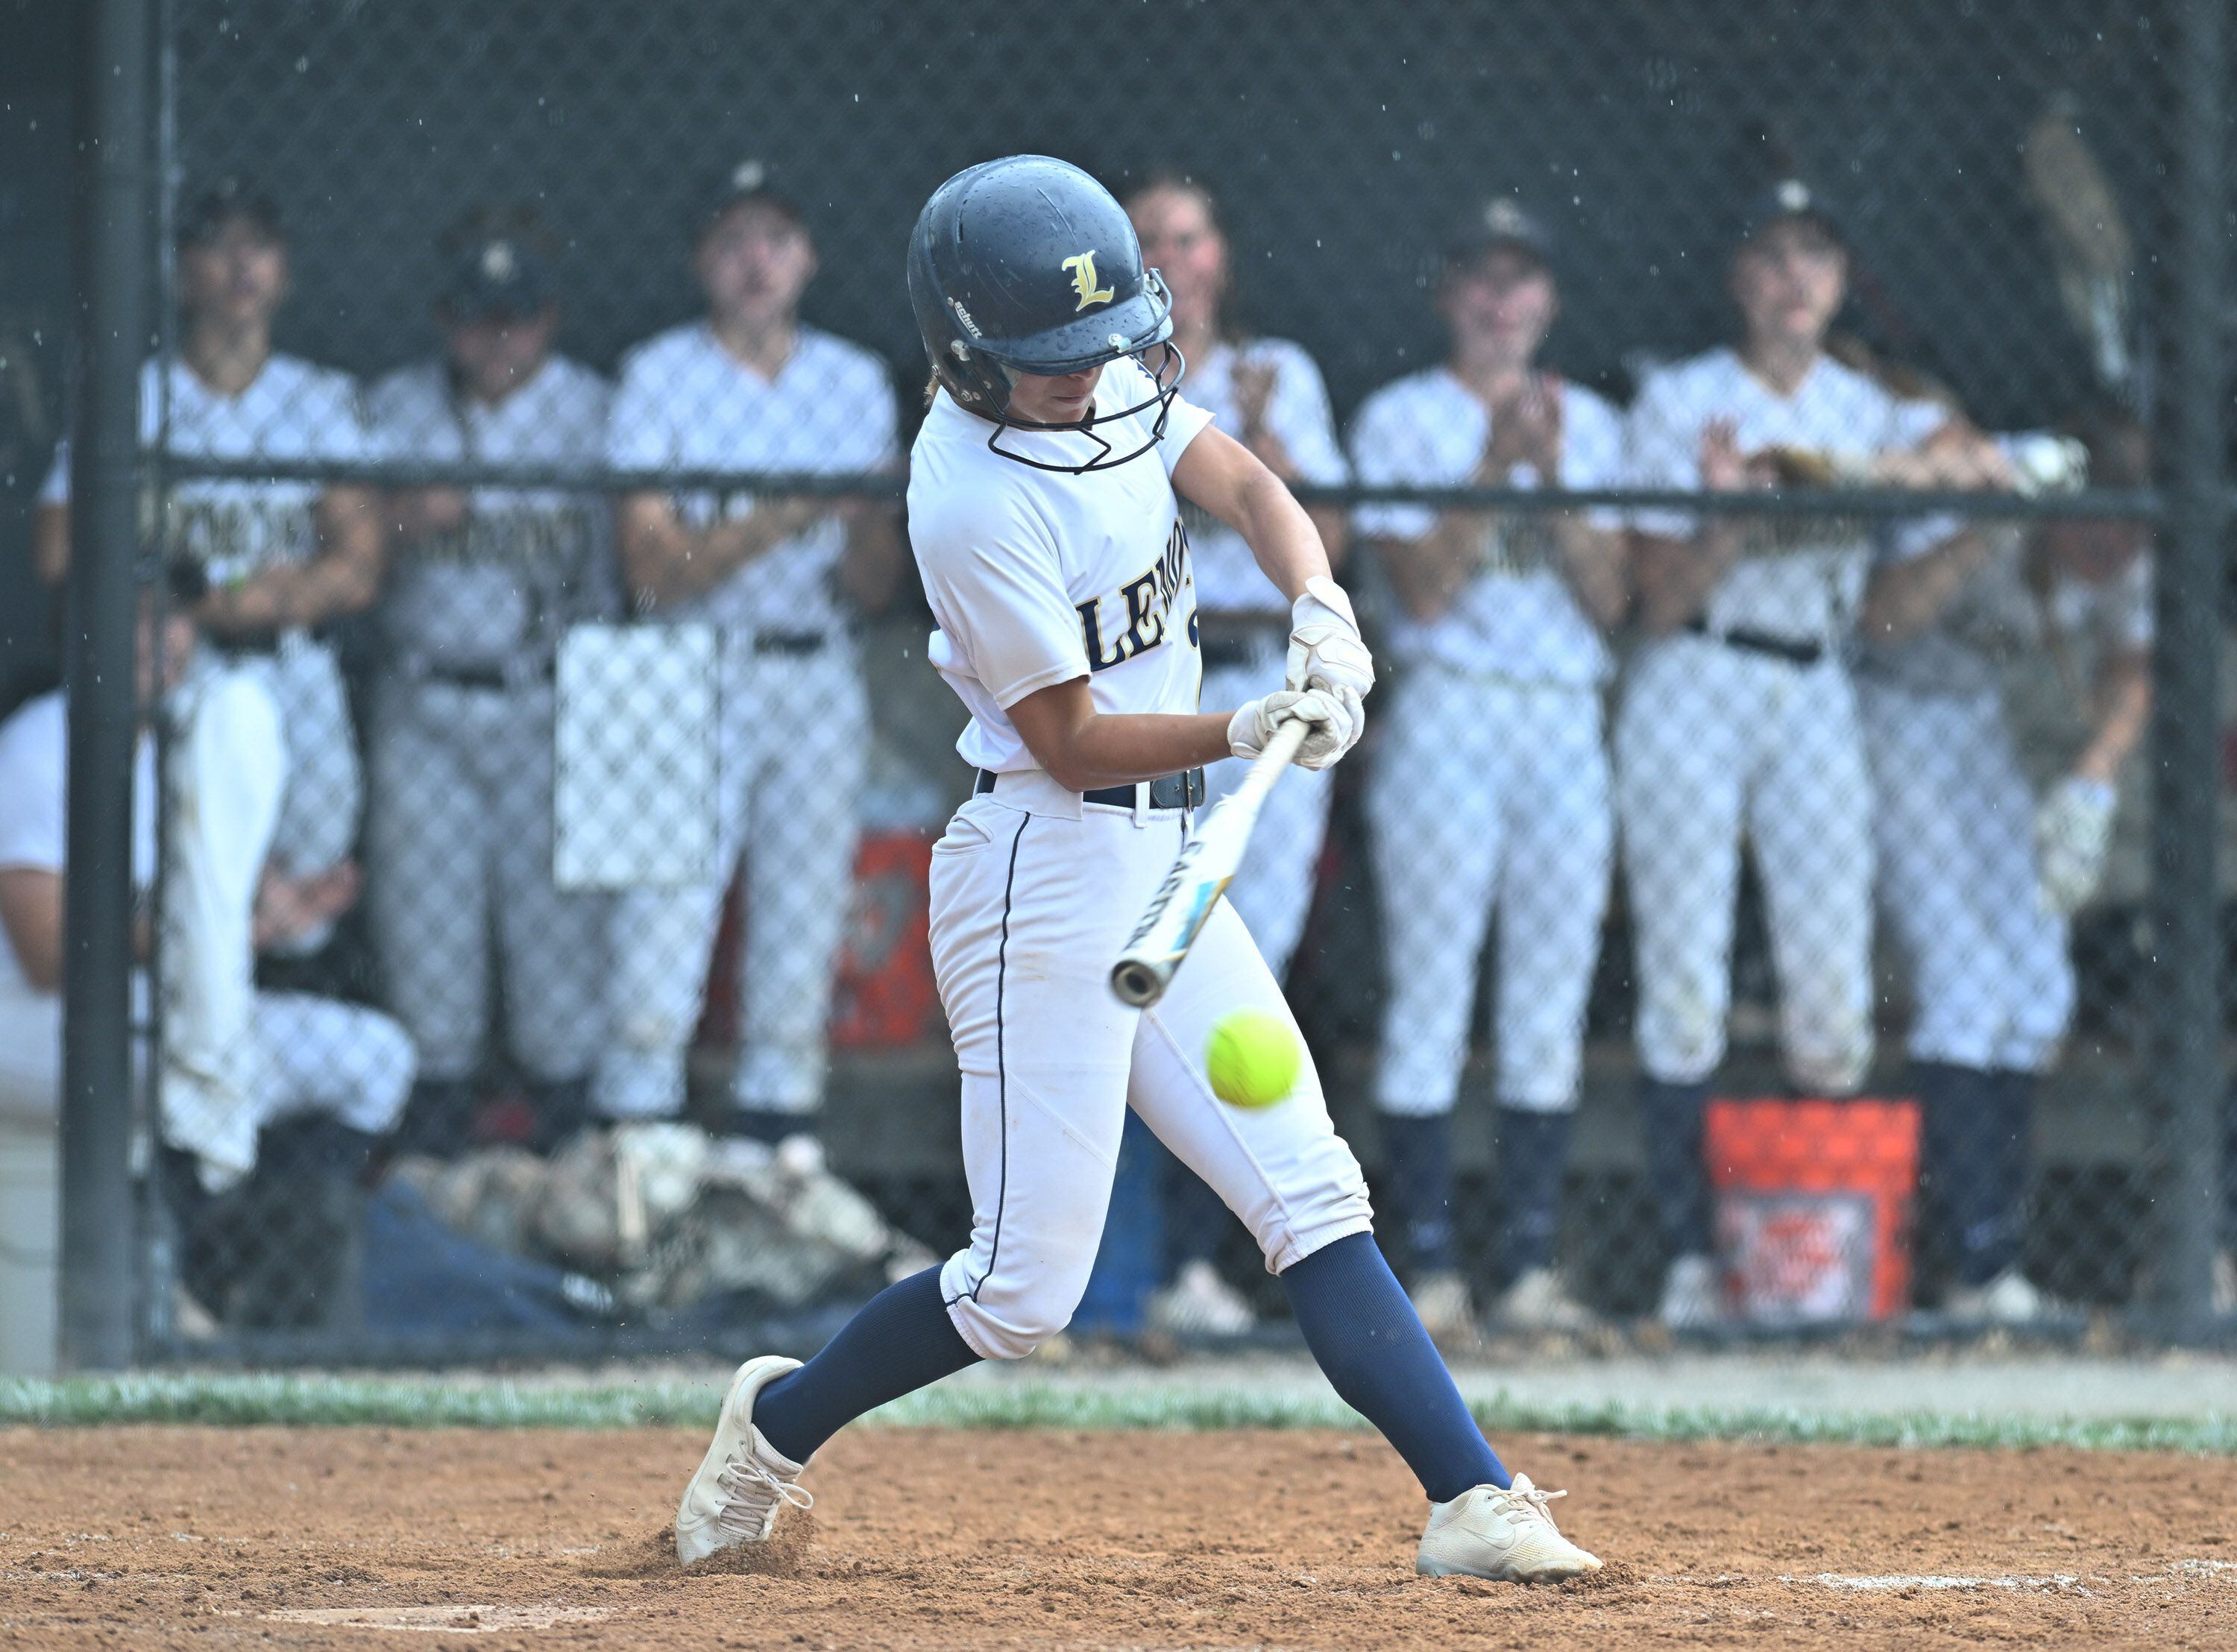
[(998, 257)]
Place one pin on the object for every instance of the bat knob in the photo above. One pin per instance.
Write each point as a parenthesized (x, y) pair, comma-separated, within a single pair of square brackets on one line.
[(1137, 983)]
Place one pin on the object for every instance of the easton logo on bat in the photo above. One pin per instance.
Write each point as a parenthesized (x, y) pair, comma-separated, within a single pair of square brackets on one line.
[(1206, 893)]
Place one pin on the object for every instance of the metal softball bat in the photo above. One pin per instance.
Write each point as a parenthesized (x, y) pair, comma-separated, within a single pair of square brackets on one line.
[(1200, 873)]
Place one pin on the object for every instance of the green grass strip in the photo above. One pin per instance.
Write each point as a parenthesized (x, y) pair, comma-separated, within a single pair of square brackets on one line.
[(415, 1402)]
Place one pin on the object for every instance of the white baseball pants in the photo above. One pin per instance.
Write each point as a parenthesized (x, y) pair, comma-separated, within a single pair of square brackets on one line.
[(1991, 982), (1488, 794), (794, 731), (458, 842), (325, 784), (1033, 894), (1712, 742), (1273, 891)]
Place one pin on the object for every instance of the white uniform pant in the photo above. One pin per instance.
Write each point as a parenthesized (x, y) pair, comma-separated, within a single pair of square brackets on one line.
[(793, 730), (459, 841), (1029, 908), (1273, 891), (1488, 794), (1712, 741), (319, 1055), (325, 785), (1991, 982)]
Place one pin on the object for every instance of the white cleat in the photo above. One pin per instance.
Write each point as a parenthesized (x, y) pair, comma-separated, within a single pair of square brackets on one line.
[(2011, 1297), (1446, 1309), (1539, 1301), (1693, 1294), (1199, 1303), (1504, 1536), (734, 1498)]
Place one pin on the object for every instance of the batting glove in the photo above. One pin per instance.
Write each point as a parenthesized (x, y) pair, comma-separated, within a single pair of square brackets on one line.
[(2073, 829), (1326, 650), (1336, 716)]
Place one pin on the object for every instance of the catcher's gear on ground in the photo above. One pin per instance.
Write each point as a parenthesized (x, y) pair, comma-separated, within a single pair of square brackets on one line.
[(1325, 648), (1026, 264), (1337, 716), (2073, 829)]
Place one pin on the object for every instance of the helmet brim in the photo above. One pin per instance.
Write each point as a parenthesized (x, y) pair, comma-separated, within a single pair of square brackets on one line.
[(1124, 329)]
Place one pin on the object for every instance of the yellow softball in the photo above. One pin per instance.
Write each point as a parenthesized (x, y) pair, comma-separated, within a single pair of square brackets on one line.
[(1252, 1059)]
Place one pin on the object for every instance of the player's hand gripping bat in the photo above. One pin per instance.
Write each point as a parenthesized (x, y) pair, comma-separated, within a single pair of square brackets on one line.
[(1176, 913)]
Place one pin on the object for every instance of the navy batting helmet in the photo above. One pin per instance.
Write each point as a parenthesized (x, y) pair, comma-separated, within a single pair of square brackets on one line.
[(1026, 264)]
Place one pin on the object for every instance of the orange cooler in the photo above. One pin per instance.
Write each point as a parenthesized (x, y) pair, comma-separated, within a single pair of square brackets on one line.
[(1813, 1207)]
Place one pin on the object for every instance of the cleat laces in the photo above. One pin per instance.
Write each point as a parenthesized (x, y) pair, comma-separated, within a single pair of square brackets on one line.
[(751, 1494)]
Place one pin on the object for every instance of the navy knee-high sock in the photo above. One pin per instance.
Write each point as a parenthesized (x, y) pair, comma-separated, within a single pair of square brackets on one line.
[(1673, 1115), (1534, 1150), (902, 1341), (1370, 1342), (1420, 1151)]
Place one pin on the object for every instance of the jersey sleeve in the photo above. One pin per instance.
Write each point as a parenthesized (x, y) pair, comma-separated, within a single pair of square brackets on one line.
[(31, 797), (2125, 622), (998, 592), (1385, 450), (1591, 450), (868, 441), (1661, 450), (56, 489), (1299, 413), (1184, 422), (637, 435)]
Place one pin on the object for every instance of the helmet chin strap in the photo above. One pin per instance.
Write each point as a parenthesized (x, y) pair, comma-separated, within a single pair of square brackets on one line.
[(1162, 400)]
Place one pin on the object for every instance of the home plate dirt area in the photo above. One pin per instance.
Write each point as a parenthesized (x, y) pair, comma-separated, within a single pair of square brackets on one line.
[(361, 1538)]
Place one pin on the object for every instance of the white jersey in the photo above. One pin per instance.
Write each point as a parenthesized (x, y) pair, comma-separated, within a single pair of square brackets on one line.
[(1228, 578), (525, 562), (33, 811), (684, 402), (2000, 614), (291, 410), (1037, 577), (1799, 578), (1517, 619)]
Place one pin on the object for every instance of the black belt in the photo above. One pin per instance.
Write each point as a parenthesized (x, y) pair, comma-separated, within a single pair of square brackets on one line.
[(1749, 640), (493, 679), (1166, 792), (1228, 653), (249, 645), (789, 642)]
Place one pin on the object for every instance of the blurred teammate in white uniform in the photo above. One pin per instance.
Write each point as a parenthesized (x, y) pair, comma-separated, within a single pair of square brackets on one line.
[(461, 823), (282, 558), (1738, 719), (1044, 496), (1267, 395), (1978, 877), (750, 387), (1491, 788)]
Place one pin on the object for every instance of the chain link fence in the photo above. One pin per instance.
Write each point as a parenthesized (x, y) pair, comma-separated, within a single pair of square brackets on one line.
[(1734, 924)]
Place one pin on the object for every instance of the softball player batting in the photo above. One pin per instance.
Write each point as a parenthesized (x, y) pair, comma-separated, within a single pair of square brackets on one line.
[(1269, 396), (750, 387), (1492, 788), (282, 558), (1044, 507), (1978, 878), (1738, 719), (459, 831)]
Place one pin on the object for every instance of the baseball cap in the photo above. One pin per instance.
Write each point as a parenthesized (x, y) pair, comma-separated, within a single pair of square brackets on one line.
[(208, 210), (751, 179), (1500, 222), (1788, 198), (496, 275)]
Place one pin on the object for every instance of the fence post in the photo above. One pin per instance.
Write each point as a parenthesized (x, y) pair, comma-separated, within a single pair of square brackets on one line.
[(111, 249), (2186, 1067)]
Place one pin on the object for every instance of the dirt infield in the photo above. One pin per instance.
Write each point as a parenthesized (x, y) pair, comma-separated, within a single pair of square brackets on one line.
[(153, 1537)]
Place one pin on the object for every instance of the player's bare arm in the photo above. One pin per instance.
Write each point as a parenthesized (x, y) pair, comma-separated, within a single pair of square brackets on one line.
[(1906, 598), (1676, 576), (1219, 474), (1085, 749), (50, 532), (343, 578), (2123, 708), (872, 564), (666, 561)]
